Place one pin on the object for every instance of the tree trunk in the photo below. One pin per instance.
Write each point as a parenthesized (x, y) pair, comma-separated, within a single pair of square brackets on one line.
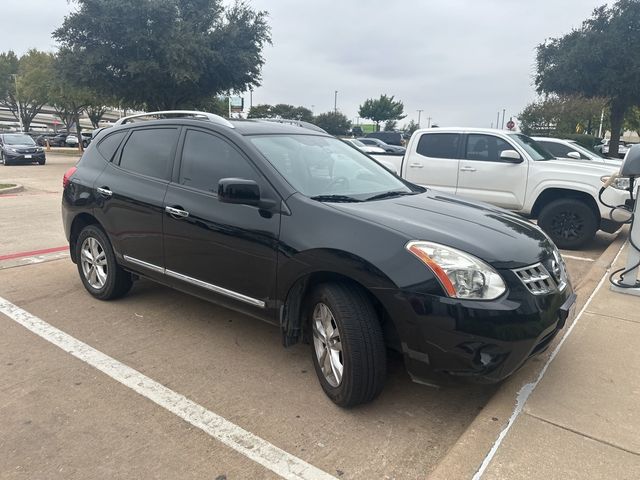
[(79, 132), (618, 109)]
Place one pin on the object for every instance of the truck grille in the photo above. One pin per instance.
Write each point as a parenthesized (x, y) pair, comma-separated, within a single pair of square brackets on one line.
[(537, 279)]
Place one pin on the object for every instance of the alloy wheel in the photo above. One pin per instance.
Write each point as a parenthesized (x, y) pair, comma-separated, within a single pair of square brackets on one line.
[(94, 262), (327, 344), (567, 225)]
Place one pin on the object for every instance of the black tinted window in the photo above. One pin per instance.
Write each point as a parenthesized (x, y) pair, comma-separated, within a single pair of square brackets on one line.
[(486, 148), (558, 149), (207, 158), (109, 144), (150, 151), (439, 145)]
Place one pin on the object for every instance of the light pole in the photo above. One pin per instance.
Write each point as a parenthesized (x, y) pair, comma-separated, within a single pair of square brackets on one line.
[(503, 112), (335, 102), (419, 114), (15, 79)]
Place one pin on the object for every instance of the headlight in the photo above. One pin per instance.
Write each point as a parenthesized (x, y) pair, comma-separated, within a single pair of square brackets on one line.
[(460, 274), (621, 183), (12, 150), (40, 149)]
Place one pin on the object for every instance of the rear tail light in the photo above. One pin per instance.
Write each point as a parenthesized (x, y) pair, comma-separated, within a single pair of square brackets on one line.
[(66, 179)]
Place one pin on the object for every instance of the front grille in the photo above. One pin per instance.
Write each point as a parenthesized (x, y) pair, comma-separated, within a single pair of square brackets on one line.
[(537, 279)]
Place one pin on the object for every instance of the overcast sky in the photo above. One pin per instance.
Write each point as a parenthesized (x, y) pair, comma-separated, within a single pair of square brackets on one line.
[(461, 61)]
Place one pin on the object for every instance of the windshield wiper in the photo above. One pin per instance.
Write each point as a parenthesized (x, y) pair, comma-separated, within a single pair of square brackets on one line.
[(335, 198), (389, 194)]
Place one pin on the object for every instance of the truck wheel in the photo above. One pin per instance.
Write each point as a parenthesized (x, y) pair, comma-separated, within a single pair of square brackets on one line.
[(100, 273), (569, 222), (348, 348)]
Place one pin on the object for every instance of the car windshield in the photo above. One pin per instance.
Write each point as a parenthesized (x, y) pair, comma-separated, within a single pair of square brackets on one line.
[(18, 140), (327, 169), (533, 148)]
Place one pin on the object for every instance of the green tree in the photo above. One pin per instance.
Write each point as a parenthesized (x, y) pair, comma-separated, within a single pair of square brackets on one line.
[(599, 59), (411, 127), (555, 115), (383, 109), (281, 110), (163, 54), (33, 73), (390, 125), (334, 123)]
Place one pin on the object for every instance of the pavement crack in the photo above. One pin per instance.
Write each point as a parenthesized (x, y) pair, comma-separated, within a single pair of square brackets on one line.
[(582, 434)]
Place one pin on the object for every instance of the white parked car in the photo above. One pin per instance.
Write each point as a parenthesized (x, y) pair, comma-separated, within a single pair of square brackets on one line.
[(623, 148), (71, 141), (572, 150), (362, 147), (513, 171)]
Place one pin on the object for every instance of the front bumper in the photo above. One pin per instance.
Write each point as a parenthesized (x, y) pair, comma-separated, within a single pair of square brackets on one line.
[(24, 157), (482, 340)]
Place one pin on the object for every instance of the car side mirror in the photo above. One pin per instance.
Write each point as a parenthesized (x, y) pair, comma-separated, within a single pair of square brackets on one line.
[(574, 155), (510, 156), (239, 191)]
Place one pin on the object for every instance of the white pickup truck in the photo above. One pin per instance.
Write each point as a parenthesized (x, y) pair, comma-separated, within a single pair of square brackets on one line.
[(512, 171)]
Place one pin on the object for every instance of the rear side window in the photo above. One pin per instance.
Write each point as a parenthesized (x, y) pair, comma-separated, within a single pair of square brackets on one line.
[(207, 158), (150, 152), (439, 145), (109, 144), (485, 147)]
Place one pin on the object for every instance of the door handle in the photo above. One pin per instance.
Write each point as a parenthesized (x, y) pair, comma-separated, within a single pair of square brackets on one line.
[(176, 212), (416, 165), (104, 191), (467, 169)]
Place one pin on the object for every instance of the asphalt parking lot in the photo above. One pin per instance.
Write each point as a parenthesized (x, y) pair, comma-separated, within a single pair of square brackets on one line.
[(63, 418)]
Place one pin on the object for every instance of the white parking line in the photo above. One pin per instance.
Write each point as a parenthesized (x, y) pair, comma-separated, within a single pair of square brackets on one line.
[(573, 257), (260, 451), (526, 391)]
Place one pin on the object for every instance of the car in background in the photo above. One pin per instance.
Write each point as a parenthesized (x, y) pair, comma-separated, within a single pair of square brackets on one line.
[(86, 138), (376, 142), (570, 149), (391, 138), (58, 140), (357, 131), (71, 141), (362, 147), (603, 147), (20, 148), (42, 138)]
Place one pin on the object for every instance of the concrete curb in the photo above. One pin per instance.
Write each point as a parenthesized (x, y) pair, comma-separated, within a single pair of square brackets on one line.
[(469, 451), (16, 188)]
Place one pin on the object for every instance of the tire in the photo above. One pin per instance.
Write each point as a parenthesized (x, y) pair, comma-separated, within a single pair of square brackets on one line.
[(85, 144), (42, 162), (570, 223), (109, 281), (358, 344)]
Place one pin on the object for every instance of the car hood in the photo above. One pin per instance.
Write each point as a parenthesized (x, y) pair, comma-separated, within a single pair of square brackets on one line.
[(498, 237), (595, 167)]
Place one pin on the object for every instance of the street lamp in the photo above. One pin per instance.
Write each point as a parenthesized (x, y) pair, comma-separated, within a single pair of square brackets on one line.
[(15, 79), (419, 114), (335, 102)]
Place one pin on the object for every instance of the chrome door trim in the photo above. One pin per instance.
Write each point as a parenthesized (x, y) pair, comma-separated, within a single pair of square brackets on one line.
[(214, 288), (199, 283), (141, 263)]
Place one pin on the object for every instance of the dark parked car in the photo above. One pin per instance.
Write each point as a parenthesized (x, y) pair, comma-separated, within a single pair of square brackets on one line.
[(59, 140), (295, 227), (392, 138), (376, 142), (20, 148), (41, 139)]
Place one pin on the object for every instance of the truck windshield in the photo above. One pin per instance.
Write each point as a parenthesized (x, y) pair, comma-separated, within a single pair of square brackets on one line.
[(327, 169), (533, 148)]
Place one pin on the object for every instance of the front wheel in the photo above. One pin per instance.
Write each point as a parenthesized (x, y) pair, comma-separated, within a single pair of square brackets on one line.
[(348, 348), (100, 273), (570, 223)]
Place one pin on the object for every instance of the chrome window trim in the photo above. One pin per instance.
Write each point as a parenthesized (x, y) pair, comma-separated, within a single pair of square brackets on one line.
[(199, 283)]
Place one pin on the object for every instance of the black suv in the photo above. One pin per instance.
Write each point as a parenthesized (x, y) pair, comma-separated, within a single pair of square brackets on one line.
[(295, 227)]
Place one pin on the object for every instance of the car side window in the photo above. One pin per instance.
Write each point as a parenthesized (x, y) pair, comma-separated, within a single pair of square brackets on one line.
[(150, 152), (206, 158), (560, 150), (485, 147), (109, 144), (439, 145)]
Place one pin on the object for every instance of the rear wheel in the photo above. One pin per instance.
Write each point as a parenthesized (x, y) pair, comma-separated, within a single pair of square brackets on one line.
[(348, 348), (100, 273), (569, 222)]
